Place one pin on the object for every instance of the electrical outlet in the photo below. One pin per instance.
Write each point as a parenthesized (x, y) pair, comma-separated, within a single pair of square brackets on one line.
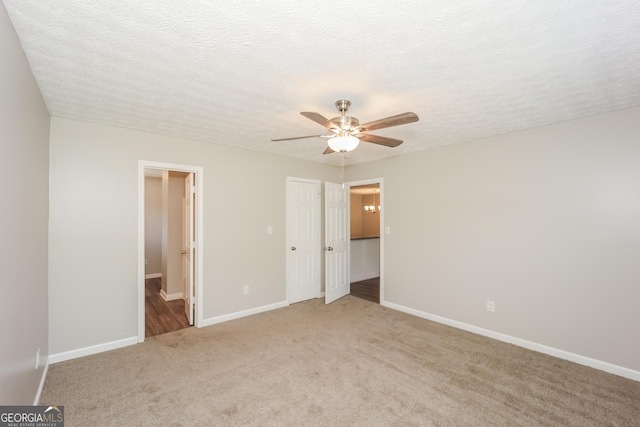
[(491, 306), (246, 289), (38, 359), (269, 229), (387, 230)]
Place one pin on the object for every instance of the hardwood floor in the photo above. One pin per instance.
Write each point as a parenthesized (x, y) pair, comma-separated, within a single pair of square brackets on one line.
[(367, 289), (161, 316)]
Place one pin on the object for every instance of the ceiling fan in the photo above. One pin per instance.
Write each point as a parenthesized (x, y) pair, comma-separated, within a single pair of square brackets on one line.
[(347, 132)]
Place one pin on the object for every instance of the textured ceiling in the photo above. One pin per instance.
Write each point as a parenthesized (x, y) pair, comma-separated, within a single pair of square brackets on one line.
[(239, 72)]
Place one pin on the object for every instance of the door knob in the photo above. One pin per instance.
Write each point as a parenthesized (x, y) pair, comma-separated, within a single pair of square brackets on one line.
[(293, 248), (329, 248)]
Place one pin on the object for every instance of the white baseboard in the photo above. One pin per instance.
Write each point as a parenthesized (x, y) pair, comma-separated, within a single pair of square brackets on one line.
[(152, 275), (244, 313), (36, 401), (94, 349), (362, 277), (541, 348), (170, 297), (99, 348), (321, 295)]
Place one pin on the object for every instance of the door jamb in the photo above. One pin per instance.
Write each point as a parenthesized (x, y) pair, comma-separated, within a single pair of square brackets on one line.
[(380, 182), (199, 172)]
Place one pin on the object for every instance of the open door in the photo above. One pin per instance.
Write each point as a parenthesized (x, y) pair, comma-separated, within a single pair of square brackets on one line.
[(188, 247), (336, 242)]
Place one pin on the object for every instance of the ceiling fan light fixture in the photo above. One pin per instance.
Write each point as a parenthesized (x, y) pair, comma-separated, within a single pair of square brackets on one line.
[(343, 143)]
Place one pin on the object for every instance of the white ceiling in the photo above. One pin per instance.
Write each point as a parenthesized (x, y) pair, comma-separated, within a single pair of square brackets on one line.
[(239, 72)]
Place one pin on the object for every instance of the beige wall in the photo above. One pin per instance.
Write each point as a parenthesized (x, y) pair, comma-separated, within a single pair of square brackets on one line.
[(24, 180), (544, 222), (355, 205), (94, 184), (364, 224), (153, 225)]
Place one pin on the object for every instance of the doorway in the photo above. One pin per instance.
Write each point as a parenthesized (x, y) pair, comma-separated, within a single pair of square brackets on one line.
[(336, 257), (366, 211), (169, 263)]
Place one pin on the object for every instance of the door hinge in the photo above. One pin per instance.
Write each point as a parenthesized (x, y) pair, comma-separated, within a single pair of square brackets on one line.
[(193, 189), (193, 244)]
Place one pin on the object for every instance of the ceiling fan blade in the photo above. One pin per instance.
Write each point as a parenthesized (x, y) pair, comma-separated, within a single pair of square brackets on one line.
[(321, 120), (297, 137), (380, 140), (328, 150), (399, 119)]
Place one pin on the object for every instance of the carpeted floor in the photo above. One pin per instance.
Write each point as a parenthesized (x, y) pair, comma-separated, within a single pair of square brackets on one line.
[(349, 363)]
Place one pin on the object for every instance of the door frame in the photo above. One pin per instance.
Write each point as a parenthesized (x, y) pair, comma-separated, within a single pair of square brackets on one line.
[(199, 182), (380, 182)]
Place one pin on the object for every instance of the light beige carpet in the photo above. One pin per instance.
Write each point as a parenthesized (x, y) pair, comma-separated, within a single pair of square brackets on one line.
[(349, 363)]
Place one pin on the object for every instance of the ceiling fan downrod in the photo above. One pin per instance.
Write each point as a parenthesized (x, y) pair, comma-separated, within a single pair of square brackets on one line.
[(344, 122)]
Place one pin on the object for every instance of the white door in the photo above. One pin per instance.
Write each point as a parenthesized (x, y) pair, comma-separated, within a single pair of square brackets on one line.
[(188, 247), (336, 241), (303, 239)]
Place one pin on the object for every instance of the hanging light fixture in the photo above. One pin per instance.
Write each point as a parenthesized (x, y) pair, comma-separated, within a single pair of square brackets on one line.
[(372, 208), (343, 142)]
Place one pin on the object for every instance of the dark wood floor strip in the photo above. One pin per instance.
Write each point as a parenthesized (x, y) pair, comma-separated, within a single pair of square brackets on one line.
[(162, 316), (367, 289)]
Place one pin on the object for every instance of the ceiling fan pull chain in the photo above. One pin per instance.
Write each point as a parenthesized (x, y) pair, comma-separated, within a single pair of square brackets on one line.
[(342, 167)]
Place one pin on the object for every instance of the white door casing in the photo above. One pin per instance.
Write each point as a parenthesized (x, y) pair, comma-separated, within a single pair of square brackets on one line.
[(188, 247), (336, 242), (303, 239), (198, 216)]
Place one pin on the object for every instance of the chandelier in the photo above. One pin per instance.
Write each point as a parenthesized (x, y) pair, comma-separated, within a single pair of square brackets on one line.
[(372, 208)]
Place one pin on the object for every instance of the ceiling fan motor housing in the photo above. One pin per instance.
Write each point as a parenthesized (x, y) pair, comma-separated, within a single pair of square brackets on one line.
[(345, 122)]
